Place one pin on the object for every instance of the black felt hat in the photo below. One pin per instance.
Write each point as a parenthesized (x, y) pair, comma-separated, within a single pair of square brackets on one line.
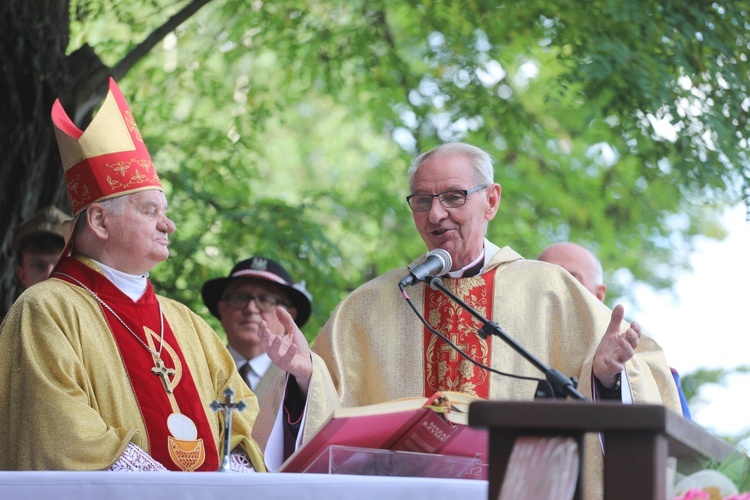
[(259, 268)]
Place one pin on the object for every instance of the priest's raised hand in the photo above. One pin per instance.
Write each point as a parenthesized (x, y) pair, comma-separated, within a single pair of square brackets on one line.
[(289, 350)]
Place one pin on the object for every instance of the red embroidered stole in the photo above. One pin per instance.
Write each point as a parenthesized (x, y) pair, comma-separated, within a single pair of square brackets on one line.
[(444, 368), (153, 400)]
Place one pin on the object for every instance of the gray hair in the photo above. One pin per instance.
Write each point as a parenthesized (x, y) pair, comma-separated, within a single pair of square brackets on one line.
[(480, 160), (115, 205)]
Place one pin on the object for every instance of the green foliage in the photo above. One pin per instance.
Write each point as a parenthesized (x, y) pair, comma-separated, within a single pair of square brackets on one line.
[(736, 468), (692, 382), (285, 128)]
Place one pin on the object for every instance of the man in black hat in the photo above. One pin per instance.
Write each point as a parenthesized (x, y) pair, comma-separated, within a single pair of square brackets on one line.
[(249, 295)]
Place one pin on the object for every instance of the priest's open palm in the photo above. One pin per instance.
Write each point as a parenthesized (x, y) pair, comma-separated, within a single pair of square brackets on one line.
[(615, 348), (289, 350)]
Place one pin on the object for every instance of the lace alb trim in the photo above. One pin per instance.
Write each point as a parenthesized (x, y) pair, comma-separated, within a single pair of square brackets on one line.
[(134, 459), (239, 462)]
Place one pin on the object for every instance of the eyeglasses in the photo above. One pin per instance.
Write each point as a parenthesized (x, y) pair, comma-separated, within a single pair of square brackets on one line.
[(264, 302), (449, 199)]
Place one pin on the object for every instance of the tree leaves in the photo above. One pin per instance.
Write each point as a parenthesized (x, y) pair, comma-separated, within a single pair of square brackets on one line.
[(286, 127)]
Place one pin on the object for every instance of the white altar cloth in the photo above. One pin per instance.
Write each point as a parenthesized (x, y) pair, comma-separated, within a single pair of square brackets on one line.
[(58, 485)]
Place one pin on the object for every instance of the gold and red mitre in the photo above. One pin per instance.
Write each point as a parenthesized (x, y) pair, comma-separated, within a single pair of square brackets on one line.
[(109, 158)]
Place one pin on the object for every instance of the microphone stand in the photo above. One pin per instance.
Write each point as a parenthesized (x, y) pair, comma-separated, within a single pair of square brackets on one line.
[(561, 385)]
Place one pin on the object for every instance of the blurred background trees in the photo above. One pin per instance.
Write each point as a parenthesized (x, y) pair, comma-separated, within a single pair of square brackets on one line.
[(285, 128)]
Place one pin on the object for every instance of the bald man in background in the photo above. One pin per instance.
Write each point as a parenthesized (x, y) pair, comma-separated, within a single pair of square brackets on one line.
[(581, 263), (587, 269)]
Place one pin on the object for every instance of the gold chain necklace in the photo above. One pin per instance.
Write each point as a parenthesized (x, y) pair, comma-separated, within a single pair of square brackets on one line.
[(159, 368)]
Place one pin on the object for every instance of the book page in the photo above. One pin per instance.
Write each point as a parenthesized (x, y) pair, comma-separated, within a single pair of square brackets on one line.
[(541, 468)]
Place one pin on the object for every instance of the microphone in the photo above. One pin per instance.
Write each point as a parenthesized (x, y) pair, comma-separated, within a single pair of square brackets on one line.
[(438, 262)]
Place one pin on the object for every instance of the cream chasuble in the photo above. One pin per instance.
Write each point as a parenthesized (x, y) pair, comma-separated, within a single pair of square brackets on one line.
[(68, 402), (371, 350)]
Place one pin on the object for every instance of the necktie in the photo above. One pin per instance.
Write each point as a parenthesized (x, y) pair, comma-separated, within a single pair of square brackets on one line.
[(245, 371)]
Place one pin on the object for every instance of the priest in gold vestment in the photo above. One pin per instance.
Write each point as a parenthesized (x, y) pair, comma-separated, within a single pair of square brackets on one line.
[(374, 348), (98, 372)]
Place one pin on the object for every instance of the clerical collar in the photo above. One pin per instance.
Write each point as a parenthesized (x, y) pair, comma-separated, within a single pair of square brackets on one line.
[(131, 285), (472, 269)]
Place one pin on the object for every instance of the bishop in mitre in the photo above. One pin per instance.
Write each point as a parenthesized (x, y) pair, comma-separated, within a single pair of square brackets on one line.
[(97, 371)]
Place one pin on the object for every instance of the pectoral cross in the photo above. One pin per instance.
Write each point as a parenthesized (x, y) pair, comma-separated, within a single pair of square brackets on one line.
[(228, 406), (163, 372)]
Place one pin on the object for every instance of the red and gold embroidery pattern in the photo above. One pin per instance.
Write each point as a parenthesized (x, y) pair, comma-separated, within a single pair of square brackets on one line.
[(136, 177), (445, 369), (130, 122)]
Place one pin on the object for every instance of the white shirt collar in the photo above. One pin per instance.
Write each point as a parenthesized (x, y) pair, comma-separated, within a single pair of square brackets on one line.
[(134, 286), (259, 365)]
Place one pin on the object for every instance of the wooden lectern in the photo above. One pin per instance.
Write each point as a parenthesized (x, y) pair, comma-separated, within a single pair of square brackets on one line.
[(637, 440)]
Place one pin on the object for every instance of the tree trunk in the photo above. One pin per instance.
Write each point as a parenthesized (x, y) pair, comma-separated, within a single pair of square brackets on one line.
[(34, 71)]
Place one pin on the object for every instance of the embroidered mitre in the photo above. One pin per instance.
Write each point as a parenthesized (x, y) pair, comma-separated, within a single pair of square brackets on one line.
[(106, 160)]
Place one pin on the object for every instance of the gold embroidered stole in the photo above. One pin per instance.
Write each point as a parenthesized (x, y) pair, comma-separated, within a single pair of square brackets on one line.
[(444, 368)]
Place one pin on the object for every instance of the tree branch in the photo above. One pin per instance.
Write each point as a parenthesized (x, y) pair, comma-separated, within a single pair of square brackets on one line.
[(90, 75), (143, 48)]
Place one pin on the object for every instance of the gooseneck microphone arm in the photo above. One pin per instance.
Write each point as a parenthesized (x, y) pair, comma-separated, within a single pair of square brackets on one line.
[(560, 383)]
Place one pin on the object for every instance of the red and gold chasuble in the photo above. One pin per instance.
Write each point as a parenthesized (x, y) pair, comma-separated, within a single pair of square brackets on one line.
[(444, 368), (163, 386)]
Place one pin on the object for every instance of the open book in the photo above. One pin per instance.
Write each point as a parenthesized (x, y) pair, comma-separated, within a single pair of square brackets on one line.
[(434, 425)]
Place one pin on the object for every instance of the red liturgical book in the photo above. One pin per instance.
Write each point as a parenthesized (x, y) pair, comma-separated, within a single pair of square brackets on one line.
[(435, 425)]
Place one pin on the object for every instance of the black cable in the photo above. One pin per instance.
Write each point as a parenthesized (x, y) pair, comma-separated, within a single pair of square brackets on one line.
[(456, 348)]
